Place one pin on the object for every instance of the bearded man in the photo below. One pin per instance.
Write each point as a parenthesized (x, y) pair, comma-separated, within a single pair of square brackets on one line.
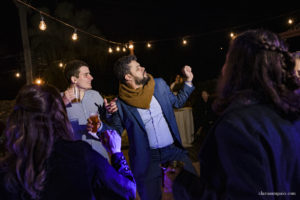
[(145, 110)]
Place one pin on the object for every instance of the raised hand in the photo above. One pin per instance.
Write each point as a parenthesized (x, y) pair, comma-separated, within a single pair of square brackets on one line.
[(111, 140), (68, 95), (111, 107), (187, 72)]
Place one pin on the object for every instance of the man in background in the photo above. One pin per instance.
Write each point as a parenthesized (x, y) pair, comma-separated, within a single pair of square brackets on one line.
[(81, 101)]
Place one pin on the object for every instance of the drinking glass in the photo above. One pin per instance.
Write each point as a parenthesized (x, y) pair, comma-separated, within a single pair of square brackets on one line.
[(94, 117), (77, 95)]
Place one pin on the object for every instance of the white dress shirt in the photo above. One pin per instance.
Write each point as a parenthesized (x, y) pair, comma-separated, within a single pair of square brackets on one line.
[(158, 132)]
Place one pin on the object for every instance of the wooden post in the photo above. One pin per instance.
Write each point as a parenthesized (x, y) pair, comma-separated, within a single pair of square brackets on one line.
[(26, 46)]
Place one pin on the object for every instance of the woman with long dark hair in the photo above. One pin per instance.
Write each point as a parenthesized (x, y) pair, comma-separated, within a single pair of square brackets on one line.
[(43, 162), (253, 150)]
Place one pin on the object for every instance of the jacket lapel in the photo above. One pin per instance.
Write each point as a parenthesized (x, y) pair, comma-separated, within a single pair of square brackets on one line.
[(160, 97), (137, 116)]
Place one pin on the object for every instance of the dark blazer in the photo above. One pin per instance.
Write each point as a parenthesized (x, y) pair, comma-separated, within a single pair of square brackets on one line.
[(251, 153), (129, 118), (76, 171)]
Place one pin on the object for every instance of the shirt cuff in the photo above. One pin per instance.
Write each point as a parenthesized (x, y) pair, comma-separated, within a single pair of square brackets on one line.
[(95, 135), (100, 128), (108, 115), (189, 83)]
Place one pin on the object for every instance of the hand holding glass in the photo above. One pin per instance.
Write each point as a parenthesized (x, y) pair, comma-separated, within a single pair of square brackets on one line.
[(111, 141), (76, 94), (95, 121)]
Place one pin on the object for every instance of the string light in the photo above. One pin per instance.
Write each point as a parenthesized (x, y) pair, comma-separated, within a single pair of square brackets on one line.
[(43, 27), (232, 35), (130, 46), (110, 50), (60, 64), (74, 35), (290, 21), (18, 75), (42, 24), (118, 49), (38, 81)]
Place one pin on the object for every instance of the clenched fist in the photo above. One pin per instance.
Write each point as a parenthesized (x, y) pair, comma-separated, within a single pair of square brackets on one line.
[(187, 72)]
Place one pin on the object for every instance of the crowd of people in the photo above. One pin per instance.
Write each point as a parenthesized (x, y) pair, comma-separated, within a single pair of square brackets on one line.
[(44, 161), (248, 134)]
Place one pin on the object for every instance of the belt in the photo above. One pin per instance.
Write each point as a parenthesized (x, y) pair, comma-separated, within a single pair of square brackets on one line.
[(163, 148)]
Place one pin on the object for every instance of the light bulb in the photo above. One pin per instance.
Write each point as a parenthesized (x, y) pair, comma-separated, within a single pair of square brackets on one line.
[(148, 45), (118, 49), (130, 46), (42, 24), (110, 50), (38, 81), (74, 36)]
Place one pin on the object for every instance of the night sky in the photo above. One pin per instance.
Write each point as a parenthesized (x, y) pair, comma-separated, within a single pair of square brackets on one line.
[(165, 23)]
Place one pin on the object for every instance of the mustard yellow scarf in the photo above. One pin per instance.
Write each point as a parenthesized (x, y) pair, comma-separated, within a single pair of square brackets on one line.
[(140, 97)]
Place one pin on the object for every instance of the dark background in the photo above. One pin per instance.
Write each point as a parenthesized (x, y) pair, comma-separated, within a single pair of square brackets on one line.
[(164, 23)]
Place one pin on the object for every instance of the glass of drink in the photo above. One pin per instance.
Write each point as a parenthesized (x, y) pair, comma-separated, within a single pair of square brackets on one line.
[(94, 117), (173, 164), (77, 95)]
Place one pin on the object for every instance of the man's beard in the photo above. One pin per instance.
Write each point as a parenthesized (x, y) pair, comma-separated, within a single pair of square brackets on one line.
[(142, 81)]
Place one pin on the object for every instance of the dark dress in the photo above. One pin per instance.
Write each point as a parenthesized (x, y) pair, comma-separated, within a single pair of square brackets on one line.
[(76, 171), (251, 153)]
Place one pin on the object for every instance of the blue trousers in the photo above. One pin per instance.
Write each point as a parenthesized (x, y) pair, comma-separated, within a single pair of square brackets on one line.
[(149, 187)]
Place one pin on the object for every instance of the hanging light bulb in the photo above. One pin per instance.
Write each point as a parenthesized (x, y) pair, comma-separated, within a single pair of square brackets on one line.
[(110, 50), (18, 75), (290, 21), (38, 81), (130, 46), (42, 24), (232, 35), (184, 42), (74, 35), (60, 64), (148, 45), (118, 48), (124, 49)]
